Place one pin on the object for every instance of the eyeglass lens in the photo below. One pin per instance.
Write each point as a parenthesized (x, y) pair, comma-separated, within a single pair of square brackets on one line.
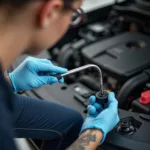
[(77, 17)]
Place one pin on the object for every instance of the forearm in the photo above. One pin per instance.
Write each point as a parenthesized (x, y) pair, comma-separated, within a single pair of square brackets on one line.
[(89, 140)]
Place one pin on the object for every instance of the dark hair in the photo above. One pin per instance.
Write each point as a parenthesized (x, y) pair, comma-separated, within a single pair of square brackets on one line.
[(14, 3), (68, 3), (20, 3)]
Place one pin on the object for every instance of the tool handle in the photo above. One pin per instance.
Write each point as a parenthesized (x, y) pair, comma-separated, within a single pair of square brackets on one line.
[(58, 76)]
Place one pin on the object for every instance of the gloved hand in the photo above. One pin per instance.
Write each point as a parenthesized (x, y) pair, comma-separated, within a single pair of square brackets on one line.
[(102, 119), (26, 76)]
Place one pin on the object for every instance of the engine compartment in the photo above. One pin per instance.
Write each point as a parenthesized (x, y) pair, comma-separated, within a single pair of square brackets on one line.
[(119, 44)]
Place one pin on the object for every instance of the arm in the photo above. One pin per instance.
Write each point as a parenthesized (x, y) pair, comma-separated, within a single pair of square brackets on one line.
[(6, 116), (88, 140)]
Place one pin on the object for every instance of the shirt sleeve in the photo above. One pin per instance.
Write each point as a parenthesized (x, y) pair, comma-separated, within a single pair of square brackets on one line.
[(6, 115), (6, 133)]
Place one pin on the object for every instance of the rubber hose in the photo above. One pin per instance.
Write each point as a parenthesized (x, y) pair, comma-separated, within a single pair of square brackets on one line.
[(130, 86), (64, 57), (144, 5), (88, 81)]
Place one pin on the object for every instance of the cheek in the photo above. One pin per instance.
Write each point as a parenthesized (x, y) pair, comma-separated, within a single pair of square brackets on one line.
[(63, 26), (33, 51)]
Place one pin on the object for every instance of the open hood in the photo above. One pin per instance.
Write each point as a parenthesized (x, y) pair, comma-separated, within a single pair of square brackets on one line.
[(90, 5)]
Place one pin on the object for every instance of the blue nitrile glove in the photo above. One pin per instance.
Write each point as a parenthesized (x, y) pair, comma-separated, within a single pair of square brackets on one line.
[(26, 75), (102, 119)]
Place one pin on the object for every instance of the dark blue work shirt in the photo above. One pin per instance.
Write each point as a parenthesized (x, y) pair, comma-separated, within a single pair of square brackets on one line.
[(6, 117)]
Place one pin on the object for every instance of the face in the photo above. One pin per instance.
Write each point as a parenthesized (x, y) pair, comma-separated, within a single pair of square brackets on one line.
[(52, 24)]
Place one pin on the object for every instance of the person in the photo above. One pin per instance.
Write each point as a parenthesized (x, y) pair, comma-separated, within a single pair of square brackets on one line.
[(29, 26)]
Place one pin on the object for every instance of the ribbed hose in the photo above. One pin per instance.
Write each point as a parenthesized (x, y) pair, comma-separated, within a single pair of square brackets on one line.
[(130, 86)]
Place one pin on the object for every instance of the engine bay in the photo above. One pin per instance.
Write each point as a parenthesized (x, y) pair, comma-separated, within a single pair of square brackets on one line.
[(118, 44), (116, 40)]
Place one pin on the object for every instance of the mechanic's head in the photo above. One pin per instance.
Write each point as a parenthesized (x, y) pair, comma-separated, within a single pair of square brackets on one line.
[(45, 21)]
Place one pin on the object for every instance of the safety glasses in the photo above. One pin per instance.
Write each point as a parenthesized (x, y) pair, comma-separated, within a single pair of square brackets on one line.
[(78, 16)]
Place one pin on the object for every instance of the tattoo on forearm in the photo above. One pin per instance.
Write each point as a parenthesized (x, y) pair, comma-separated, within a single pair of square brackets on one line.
[(83, 141)]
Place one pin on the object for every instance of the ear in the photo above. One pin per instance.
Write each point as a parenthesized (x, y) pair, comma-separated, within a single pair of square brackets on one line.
[(48, 11)]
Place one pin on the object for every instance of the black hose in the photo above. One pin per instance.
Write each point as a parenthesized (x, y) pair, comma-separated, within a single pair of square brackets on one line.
[(88, 81), (130, 87), (144, 5)]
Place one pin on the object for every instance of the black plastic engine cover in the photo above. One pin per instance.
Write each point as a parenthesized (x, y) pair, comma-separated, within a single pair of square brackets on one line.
[(134, 140), (122, 56), (140, 108)]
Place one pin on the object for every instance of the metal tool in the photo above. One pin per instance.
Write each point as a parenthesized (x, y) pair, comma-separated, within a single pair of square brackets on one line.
[(84, 68), (101, 96)]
